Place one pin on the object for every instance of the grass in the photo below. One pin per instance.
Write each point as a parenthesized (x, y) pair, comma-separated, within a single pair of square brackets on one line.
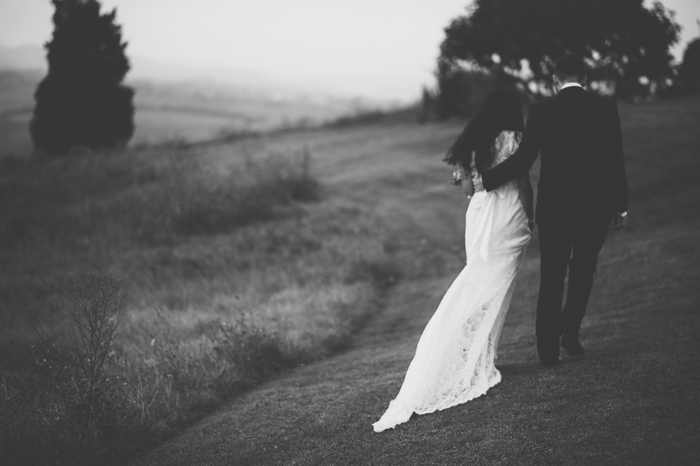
[(304, 283), (237, 263), (633, 398)]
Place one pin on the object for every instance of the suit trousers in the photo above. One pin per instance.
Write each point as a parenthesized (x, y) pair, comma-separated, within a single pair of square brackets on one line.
[(571, 244)]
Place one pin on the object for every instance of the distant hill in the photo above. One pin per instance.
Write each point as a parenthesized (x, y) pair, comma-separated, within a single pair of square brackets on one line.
[(17, 89), (22, 58), (240, 82), (177, 110), (259, 109), (175, 102)]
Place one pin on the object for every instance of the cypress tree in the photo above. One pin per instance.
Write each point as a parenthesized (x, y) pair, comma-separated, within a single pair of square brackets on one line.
[(82, 101)]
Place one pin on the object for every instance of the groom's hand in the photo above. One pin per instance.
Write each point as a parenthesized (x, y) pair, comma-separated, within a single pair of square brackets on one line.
[(620, 220)]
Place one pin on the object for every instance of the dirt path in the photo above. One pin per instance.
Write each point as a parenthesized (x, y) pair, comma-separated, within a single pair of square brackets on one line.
[(632, 400)]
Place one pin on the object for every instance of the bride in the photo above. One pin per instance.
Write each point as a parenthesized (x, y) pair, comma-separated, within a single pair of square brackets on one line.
[(454, 360)]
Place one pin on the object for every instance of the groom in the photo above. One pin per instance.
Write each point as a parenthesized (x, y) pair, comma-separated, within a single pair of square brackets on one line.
[(582, 187)]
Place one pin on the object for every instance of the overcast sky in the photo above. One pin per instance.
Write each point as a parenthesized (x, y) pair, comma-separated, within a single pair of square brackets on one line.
[(375, 48)]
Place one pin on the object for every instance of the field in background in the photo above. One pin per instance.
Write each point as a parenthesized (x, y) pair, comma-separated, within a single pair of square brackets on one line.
[(175, 113)]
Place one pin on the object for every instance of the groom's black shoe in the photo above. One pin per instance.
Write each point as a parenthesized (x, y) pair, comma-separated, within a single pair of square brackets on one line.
[(570, 343)]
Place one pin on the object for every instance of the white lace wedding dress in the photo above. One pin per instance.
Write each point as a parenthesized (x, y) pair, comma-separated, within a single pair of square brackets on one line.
[(454, 360)]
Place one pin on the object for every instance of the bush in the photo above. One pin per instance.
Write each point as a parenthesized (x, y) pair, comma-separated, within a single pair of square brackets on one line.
[(252, 193), (59, 404), (364, 117)]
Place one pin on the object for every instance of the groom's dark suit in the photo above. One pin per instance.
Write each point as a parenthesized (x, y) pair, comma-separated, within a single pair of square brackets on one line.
[(582, 185)]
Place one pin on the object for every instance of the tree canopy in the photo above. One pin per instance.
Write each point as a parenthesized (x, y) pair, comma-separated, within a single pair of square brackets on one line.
[(690, 67), (626, 44), (81, 101)]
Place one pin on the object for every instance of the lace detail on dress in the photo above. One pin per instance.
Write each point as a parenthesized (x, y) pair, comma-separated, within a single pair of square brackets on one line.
[(468, 369), (505, 145)]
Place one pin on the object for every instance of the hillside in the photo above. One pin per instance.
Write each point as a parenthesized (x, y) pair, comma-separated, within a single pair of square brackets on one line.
[(176, 111), (632, 400)]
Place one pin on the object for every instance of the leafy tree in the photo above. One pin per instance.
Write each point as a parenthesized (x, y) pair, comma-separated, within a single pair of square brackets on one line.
[(689, 71), (625, 43), (81, 101)]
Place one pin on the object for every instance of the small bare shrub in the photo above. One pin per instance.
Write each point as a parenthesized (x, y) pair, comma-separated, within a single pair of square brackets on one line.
[(59, 404), (99, 305)]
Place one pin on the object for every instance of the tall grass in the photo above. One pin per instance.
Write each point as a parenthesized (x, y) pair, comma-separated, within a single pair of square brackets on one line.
[(235, 267), (59, 405)]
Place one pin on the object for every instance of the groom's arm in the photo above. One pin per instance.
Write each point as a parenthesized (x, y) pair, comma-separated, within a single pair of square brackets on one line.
[(521, 160)]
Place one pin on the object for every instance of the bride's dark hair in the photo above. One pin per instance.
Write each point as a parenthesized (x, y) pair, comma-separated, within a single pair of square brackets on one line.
[(501, 110)]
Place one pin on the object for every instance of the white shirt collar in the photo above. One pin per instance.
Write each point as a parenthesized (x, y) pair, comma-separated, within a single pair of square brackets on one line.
[(570, 85)]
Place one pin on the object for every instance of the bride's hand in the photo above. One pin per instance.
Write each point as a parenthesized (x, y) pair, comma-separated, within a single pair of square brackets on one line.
[(467, 184)]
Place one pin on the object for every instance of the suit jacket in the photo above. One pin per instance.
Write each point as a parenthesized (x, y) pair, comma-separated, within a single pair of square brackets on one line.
[(582, 168)]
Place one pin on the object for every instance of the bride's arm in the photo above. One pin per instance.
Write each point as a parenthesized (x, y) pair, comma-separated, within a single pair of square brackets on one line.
[(526, 196)]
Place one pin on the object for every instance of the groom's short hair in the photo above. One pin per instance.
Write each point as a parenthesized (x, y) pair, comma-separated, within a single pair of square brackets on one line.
[(570, 66)]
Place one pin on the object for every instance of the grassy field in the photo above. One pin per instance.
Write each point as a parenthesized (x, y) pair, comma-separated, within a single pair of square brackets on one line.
[(239, 261), (246, 259), (632, 400)]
